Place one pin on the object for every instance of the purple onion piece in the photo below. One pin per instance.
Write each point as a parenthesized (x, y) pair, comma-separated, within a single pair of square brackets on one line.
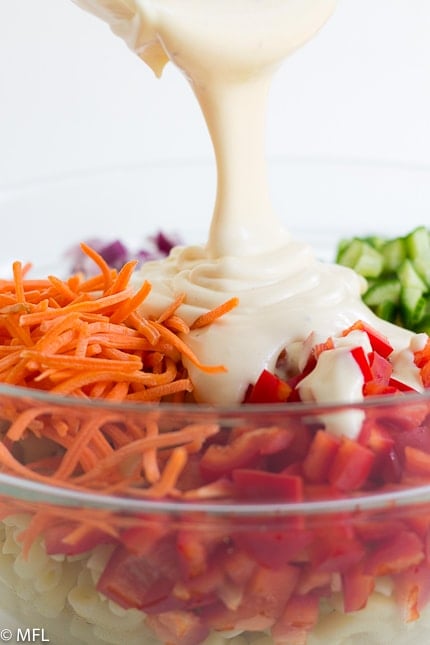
[(116, 253)]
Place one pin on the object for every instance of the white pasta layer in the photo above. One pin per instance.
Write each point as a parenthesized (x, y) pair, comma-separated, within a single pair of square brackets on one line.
[(59, 594)]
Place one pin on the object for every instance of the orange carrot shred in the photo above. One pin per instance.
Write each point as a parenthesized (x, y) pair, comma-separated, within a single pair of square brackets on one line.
[(18, 278), (171, 309), (209, 317), (101, 263), (186, 351), (131, 305), (122, 279)]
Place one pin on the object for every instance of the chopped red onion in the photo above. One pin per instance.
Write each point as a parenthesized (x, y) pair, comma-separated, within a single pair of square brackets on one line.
[(116, 253)]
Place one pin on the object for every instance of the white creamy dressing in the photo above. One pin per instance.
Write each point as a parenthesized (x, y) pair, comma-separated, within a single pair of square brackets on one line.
[(229, 50)]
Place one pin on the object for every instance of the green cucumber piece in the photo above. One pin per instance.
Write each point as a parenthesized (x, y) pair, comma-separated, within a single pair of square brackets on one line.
[(409, 278), (393, 253), (361, 257), (383, 290), (412, 306)]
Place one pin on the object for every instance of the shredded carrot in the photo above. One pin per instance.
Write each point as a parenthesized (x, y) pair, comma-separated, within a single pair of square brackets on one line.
[(132, 304), (149, 459), (101, 263), (88, 338), (183, 348), (18, 278), (136, 448), (176, 324), (172, 309), (211, 316), (172, 470), (63, 288), (123, 278)]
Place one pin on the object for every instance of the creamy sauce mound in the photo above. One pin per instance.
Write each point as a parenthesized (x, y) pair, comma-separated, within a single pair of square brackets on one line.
[(228, 50)]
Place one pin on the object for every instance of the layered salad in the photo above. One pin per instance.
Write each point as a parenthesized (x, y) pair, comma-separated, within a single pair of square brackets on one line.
[(230, 443)]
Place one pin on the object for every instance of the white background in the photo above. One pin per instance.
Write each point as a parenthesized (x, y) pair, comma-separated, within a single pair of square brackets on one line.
[(72, 96)]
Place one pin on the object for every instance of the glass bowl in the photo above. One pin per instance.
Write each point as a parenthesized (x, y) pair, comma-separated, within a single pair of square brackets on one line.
[(275, 532)]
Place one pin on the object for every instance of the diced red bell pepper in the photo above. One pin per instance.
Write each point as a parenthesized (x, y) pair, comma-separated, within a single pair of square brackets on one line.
[(268, 388), (378, 389), (195, 548), (322, 492), (417, 462), (397, 553), (402, 387), (295, 452), (375, 437), (263, 600), (362, 362), (141, 582), (276, 587), (378, 341), (420, 524), (238, 566), (201, 590), (192, 553), (405, 434), (257, 484), (141, 538), (351, 466), (58, 542), (405, 419), (335, 549), (314, 580), (356, 587), (381, 368), (371, 529), (386, 467), (243, 451), (275, 546), (318, 461)]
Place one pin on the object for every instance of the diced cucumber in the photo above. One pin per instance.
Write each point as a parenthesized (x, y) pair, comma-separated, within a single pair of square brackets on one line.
[(412, 306), (398, 275), (393, 252), (386, 310), (341, 246), (361, 257), (422, 267), (375, 241), (409, 277), (423, 325), (387, 290), (349, 252), (418, 243)]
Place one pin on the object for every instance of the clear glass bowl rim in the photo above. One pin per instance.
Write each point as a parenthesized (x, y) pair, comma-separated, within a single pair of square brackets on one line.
[(22, 489)]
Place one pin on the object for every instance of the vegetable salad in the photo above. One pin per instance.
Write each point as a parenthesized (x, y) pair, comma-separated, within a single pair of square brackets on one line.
[(193, 577)]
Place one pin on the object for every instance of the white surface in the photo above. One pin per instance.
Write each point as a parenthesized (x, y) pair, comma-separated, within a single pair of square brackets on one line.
[(45, 218), (72, 97)]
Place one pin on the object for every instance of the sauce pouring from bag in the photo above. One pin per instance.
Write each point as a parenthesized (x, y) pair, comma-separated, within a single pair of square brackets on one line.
[(229, 50)]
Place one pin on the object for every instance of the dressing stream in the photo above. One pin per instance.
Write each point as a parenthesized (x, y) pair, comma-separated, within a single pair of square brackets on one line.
[(229, 50)]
